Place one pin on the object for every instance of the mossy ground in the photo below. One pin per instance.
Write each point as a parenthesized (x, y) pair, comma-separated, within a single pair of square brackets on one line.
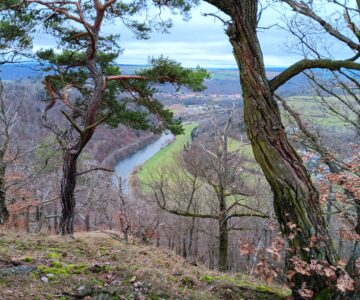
[(94, 266)]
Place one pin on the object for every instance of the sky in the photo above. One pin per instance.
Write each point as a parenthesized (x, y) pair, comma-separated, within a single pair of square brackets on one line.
[(199, 41), (202, 41)]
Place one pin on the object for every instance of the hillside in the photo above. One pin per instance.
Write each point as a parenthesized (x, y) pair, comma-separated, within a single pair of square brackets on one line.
[(223, 81), (95, 266)]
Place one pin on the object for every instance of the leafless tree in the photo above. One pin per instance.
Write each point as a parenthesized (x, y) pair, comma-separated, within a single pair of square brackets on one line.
[(207, 185), (8, 151)]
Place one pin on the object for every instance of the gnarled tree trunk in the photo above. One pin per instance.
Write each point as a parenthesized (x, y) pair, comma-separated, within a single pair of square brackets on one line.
[(68, 184), (76, 146), (296, 200)]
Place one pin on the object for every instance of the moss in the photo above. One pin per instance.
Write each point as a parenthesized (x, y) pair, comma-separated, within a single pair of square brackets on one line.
[(28, 259), (280, 292), (155, 271), (54, 255), (97, 282), (207, 278), (81, 268), (56, 264), (108, 268), (58, 268), (54, 270)]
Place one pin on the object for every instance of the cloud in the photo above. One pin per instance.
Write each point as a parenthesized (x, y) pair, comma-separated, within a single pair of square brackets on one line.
[(200, 41)]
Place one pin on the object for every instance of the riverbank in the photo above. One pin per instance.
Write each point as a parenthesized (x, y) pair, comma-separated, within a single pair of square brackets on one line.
[(143, 174), (119, 154), (127, 165)]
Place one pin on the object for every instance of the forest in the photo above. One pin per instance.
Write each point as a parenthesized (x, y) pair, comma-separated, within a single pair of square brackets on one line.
[(168, 181)]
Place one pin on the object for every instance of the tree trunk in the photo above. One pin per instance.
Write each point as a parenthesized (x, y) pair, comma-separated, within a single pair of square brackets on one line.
[(296, 200), (76, 146), (191, 237), (223, 245), (68, 184), (56, 227), (87, 223), (4, 213), (184, 250)]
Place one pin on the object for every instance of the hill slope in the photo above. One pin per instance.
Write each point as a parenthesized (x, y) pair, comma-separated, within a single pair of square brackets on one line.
[(94, 266)]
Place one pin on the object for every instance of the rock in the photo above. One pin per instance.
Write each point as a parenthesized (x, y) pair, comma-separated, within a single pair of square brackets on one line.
[(81, 288), (132, 280), (44, 279), (19, 270)]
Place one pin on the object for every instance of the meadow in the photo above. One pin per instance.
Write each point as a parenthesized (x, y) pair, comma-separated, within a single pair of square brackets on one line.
[(314, 112), (165, 156)]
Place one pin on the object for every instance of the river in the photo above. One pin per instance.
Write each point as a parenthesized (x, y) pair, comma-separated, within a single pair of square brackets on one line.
[(126, 166)]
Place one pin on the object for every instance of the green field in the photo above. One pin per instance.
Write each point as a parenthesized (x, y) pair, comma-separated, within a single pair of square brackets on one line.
[(313, 112), (166, 155), (245, 151)]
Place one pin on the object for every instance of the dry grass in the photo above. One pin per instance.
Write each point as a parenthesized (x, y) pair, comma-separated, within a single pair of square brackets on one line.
[(94, 266)]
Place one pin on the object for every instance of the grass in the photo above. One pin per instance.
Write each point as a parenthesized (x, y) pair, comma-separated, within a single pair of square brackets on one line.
[(165, 156), (245, 151), (94, 266), (313, 112)]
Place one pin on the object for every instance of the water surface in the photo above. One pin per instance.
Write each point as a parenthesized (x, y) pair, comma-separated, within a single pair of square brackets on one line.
[(127, 165)]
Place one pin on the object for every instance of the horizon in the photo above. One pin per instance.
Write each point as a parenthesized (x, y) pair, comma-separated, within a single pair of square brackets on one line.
[(209, 67)]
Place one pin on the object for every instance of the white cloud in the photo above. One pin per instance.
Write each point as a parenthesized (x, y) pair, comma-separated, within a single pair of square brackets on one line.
[(200, 41)]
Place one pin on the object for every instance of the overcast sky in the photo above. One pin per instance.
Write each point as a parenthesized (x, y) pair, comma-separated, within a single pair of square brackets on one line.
[(202, 41), (199, 41)]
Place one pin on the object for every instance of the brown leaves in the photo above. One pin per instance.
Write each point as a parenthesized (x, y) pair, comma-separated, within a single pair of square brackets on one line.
[(266, 271), (276, 248), (345, 283), (300, 266), (342, 282), (330, 272), (348, 235), (246, 248), (305, 292)]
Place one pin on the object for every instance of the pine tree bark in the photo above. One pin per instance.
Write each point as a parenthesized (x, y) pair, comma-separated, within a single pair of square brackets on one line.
[(68, 184)]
